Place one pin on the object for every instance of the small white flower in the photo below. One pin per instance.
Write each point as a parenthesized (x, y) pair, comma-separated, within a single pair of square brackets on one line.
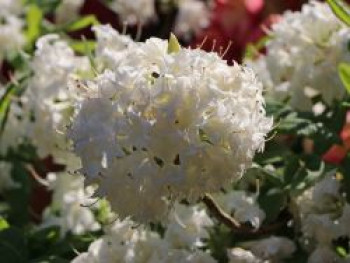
[(272, 248), (134, 12), (110, 45), (11, 36), (70, 205), (240, 255), (193, 16), (242, 206), (187, 226)]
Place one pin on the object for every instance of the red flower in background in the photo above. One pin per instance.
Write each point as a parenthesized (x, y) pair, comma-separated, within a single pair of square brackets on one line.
[(240, 22), (337, 153)]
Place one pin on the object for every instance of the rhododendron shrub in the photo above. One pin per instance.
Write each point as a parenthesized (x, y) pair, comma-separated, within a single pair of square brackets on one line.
[(121, 142)]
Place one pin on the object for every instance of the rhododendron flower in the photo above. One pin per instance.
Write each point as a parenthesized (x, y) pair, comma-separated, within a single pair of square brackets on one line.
[(314, 33), (166, 123)]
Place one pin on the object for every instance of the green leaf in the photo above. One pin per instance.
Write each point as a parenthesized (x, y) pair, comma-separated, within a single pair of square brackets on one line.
[(47, 6), (341, 10), (344, 74), (34, 19), (173, 45), (3, 224), (19, 197), (272, 202), (83, 47), (83, 22), (13, 247), (5, 102)]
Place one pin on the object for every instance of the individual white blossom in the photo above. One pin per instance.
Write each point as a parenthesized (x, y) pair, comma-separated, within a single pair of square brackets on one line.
[(273, 248), (242, 206), (193, 16), (321, 228), (320, 198), (324, 255), (11, 7), (71, 207), (68, 10), (160, 126), (302, 56), (240, 255), (11, 25), (187, 226), (110, 46), (11, 36), (6, 181), (134, 12)]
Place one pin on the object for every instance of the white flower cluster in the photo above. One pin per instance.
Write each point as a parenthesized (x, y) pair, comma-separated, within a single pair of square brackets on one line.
[(271, 249), (71, 207), (11, 37), (324, 217), (125, 242), (44, 109), (242, 206), (68, 10), (46, 104), (135, 11), (302, 56), (160, 125), (193, 16)]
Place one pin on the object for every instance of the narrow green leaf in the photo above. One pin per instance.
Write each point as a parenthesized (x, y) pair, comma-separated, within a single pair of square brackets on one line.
[(83, 22), (34, 19), (3, 224), (344, 74), (83, 46), (5, 102), (173, 45), (341, 10)]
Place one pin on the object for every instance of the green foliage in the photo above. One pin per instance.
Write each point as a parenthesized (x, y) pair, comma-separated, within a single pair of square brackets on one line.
[(83, 46), (5, 102), (253, 49), (3, 224), (13, 246), (173, 45), (34, 19), (341, 10), (47, 6), (344, 74), (13, 89), (81, 23)]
